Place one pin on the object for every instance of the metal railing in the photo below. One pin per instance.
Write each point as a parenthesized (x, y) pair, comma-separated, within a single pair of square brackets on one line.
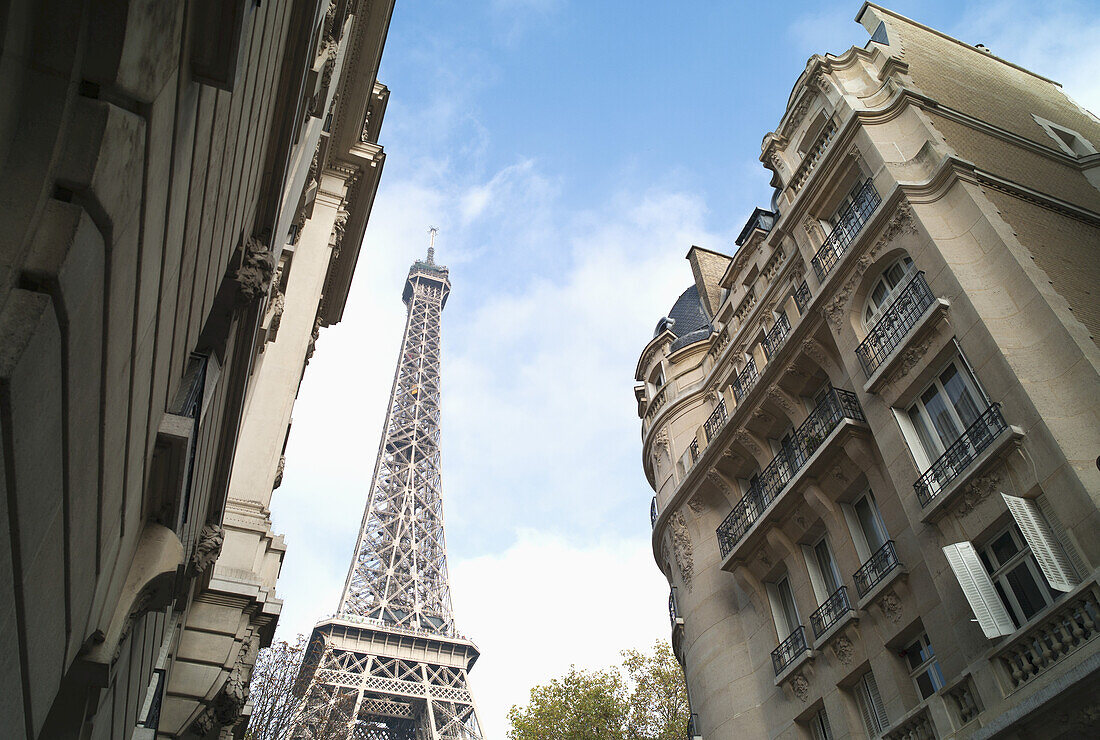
[(835, 407), (829, 613), (877, 567), (895, 322), (745, 379), (802, 297), (673, 611), (849, 222), (716, 420), (694, 447), (653, 511), (789, 649), (775, 336), (960, 454), (694, 733)]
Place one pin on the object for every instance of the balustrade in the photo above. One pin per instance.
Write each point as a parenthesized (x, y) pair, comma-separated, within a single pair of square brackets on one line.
[(917, 727), (895, 323), (1068, 625), (848, 223), (963, 451), (964, 700), (813, 156), (835, 407), (657, 402)]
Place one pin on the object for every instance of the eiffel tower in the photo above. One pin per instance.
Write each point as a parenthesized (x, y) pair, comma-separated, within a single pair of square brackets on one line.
[(389, 665)]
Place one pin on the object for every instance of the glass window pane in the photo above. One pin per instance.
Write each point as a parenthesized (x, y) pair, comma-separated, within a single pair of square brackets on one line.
[(1028, 593), (961, 396), (930, 443), (786, 599), (1003, 548), (825, 564), (924, 684), (879, 293), (942, 419), (868, 522)]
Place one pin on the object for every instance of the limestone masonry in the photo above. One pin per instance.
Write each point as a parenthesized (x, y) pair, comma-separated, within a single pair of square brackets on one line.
[(873, 430)]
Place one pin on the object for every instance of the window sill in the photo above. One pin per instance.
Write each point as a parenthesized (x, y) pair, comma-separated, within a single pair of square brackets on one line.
[(1008, 440), (886, 369)]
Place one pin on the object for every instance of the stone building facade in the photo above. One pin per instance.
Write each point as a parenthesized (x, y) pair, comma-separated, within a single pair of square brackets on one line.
[(186, 188), (873, 430)]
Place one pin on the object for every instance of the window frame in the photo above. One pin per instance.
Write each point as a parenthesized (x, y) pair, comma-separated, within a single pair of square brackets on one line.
[(819, 725), (998, 573), (919, 442), (1055, 131), (855, 525), (925, 667), (892, 291), (872, 710)]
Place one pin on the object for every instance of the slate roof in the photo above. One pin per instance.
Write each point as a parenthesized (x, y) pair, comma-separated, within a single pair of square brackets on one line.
[(689, 321)]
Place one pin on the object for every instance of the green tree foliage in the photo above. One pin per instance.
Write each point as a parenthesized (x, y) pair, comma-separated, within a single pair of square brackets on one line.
[(644, 699)]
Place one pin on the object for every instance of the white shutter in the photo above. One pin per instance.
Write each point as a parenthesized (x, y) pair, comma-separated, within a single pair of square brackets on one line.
[(781, 629), (979, 591), (826, 731), (1060, 534), (816, 580), (883, 722), (1046, 549), (864, 702)]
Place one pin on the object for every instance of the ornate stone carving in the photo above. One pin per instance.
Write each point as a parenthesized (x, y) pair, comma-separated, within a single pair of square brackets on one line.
[(339, 226), (821, 81), (681, 548), (329, 50), (843, 649), (225, 710), (776, 160), (765, 560), (800, 686), (911, 357), (207, 549), (256, 270), (976, 491), (313, 337), (890, 605), (719, 482), (781, 400), (816, 352), (695, 503), (660, 443), (279, 472), (901, 222), (745, 440)]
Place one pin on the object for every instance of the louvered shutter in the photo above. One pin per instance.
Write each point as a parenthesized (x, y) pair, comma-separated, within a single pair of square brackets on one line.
[(865, 711), (826, 731), (1062, 536), (1044, 546), (816, 580), (978, 590), (877, 707)]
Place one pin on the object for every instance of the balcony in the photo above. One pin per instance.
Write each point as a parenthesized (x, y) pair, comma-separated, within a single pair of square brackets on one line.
[(916, 725), (895, 323), (653, 511), (831, 612), (960, 455), (656, 404), (849, 222), (837, 406), (745, 379), (789, 650), (802, 297), (774, 338), (715, 421), (1052, 636), (809, 162), (694, 733), (876, 569), (694, 449)]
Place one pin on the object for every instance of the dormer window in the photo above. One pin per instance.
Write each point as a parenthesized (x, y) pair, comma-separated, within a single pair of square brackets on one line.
[(1068, 140)]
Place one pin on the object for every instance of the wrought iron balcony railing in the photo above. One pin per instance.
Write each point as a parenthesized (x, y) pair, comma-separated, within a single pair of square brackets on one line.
[(789, 649), (745, 379), (694, 733), (877, 567), (960, 454), (653, 511), (835, 407), (694, 447), (849, 222), (716, 420), (673, 609), (895, 323), (775, 336), (829, 613), (802, 297)]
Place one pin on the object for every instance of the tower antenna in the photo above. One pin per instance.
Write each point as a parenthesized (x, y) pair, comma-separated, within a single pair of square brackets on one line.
[(432, 231)]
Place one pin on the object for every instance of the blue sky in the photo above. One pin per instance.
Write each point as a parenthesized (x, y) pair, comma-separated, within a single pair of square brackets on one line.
[(570, 153)]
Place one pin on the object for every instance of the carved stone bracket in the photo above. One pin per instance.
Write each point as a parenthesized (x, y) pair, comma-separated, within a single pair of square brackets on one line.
[(890, 604), (682, 548), (843, 649), (256, 270), (207, 549), (279, 472), (800, 686), (976, 491)]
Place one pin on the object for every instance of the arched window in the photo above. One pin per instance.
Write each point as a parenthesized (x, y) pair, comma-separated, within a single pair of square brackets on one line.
[(885, 289)]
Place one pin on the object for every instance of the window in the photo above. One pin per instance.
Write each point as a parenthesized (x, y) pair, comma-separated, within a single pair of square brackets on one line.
[(1068, 140), (659, 380), (885, 289), (870, 705), (819, 726), (944, 410), (830, 576), (1016, 575), (868, 532), (923, 668), (783, 608)]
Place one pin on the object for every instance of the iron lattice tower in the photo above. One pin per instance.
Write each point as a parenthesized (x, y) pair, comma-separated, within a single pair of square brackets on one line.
[(389, 665)]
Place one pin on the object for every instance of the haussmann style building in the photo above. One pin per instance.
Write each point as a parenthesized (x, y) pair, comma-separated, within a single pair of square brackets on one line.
[(873, 430), (186, 186)]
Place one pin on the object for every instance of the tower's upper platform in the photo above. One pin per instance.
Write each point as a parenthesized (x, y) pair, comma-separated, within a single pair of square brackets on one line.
[(428, 272)]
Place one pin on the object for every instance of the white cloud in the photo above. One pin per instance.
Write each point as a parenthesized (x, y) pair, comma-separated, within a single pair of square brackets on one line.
[(545, 604)]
